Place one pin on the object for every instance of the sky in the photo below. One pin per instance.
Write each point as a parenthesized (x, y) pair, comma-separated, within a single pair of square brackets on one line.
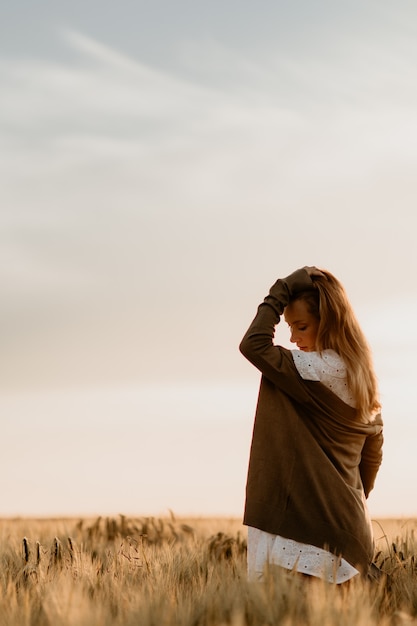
[(162, 165)]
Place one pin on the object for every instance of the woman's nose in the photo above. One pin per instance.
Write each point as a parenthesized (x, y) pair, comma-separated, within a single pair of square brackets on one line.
[(292, 337)]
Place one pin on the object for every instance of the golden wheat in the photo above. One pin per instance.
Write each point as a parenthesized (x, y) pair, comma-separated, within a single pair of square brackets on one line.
[(154, 571)]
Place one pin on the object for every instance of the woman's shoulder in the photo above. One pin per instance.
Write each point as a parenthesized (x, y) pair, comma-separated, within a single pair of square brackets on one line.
[(327, 367), (317, 365)]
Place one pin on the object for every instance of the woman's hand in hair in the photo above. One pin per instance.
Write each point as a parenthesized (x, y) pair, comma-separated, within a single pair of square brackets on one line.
[(314, 271)]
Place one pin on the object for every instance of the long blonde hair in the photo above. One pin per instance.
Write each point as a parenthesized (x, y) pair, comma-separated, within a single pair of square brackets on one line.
[(339, 330)]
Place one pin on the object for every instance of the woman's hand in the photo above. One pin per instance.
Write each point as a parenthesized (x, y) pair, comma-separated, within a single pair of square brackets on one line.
[(313, 271)]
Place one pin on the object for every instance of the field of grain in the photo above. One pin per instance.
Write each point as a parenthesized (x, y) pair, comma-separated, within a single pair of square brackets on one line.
[(188, 572)]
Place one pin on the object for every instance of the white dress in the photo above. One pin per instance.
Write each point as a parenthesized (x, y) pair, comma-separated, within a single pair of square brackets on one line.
[(266, 549)]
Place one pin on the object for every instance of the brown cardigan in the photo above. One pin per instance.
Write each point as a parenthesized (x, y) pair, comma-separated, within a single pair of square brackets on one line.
[(312, 462)]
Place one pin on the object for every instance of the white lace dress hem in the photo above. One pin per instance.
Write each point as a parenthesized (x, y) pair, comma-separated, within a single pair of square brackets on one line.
[(265, 549)]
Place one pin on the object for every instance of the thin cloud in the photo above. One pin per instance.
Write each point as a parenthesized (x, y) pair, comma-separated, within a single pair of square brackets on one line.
[(125, 179)]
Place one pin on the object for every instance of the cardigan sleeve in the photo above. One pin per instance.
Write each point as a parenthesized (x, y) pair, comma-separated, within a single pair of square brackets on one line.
[(257, 344), (284, 288), (371, 460)]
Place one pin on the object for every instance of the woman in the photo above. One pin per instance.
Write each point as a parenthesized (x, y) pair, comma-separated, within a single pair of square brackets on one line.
[(317, 439)]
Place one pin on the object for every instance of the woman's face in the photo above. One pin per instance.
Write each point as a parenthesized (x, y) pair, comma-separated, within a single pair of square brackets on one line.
[(303, 325)]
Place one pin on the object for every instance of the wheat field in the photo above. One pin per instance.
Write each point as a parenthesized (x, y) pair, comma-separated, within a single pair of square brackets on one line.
[(188, 572)]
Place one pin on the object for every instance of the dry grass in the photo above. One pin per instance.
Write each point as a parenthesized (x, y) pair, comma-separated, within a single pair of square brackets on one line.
[(184, 572)]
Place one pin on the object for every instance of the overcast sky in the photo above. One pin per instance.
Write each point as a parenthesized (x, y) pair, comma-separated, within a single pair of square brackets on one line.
[(162, 164)]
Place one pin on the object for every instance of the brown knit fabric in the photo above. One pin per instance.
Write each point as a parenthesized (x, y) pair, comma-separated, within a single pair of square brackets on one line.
[(312, 462)]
